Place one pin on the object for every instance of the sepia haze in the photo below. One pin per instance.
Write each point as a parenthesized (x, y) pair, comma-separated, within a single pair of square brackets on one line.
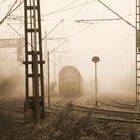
[(112, 41)]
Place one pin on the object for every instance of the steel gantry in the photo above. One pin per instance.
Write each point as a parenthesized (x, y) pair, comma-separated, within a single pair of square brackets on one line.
[(34, 82)]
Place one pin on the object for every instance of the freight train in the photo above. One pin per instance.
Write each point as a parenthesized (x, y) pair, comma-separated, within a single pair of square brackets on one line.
[(70, 82)]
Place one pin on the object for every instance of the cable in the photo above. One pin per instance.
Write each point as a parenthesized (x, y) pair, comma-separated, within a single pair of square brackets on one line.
[(58, 46), (10, 11), (52, 29), (88, 21), (86, 10), (54, 63), (79, 11), (104, 19), (69, 8), (16, 7), (7, 56), (116, 14), (18, 33), (3, 1), (15, 31), (15, 17), (80, 30), (61, 57), (65, 6)]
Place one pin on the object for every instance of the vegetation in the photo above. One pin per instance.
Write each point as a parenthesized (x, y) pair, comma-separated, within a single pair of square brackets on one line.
[(67, 124)]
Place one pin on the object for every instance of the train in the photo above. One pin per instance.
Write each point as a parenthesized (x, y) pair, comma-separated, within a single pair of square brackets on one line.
[(70, 82)]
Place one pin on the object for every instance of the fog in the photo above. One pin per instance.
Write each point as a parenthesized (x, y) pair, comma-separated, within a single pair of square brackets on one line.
[(11, 86), (112, 41)]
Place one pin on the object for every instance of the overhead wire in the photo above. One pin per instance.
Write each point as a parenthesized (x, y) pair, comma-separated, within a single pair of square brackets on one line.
[(61, 57), (18, 33), (86, 10), (120, 18), (8, 12), (63, 9), (57, 26), (53, 29), (3, 1), (116, 14), (102, 19), (80, 30), (74, 16), (65, 6), (15, 31), (54, 63), (79, 11), (75, 33), (130, 8), (11, 10), (7, 56), (59, 11), (83, 29), (58, 46)]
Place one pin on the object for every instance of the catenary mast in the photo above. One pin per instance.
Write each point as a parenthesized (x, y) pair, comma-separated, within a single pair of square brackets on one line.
[(34, 84)]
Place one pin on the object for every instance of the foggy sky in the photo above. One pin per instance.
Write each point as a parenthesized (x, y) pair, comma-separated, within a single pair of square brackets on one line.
[(112, 41)]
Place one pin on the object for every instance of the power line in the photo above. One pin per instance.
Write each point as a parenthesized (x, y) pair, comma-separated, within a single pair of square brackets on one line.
[(18, 33), (52, 29), (65, 6), (15, 31), (11, 11), (59, 11), (86, 10), (116, 14), (81, 30), (58, 46), (3, 1), (8, 12), (102, 19)]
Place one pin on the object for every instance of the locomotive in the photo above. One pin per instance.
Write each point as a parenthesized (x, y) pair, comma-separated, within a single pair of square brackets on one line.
[(70, 82)]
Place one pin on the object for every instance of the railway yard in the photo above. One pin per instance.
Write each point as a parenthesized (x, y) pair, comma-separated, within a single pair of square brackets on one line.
[(70, 79)]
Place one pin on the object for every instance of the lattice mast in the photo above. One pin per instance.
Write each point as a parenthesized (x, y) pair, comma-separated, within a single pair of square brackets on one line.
[(33, 60), (137, 52)]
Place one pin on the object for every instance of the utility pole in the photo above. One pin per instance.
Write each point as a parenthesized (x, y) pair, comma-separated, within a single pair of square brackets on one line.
[(34, 81), (49, 105), (46, 66), (54, 66), (138, 54)]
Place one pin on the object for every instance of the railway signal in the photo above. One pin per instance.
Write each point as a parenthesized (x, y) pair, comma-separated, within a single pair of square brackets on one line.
[(95, 60)]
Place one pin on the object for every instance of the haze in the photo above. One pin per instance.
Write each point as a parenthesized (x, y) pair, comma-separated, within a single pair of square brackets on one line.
[(112, 41)]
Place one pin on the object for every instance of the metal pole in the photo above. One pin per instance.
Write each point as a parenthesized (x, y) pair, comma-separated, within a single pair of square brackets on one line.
[(46, 64), (36, 68), (54, 66), (95, 60), (48, 83), (96, 97)]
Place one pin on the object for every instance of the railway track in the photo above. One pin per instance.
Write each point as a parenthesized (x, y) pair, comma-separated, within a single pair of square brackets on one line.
[(11, 105), (14, 106), (112, 102), (104, 114)]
